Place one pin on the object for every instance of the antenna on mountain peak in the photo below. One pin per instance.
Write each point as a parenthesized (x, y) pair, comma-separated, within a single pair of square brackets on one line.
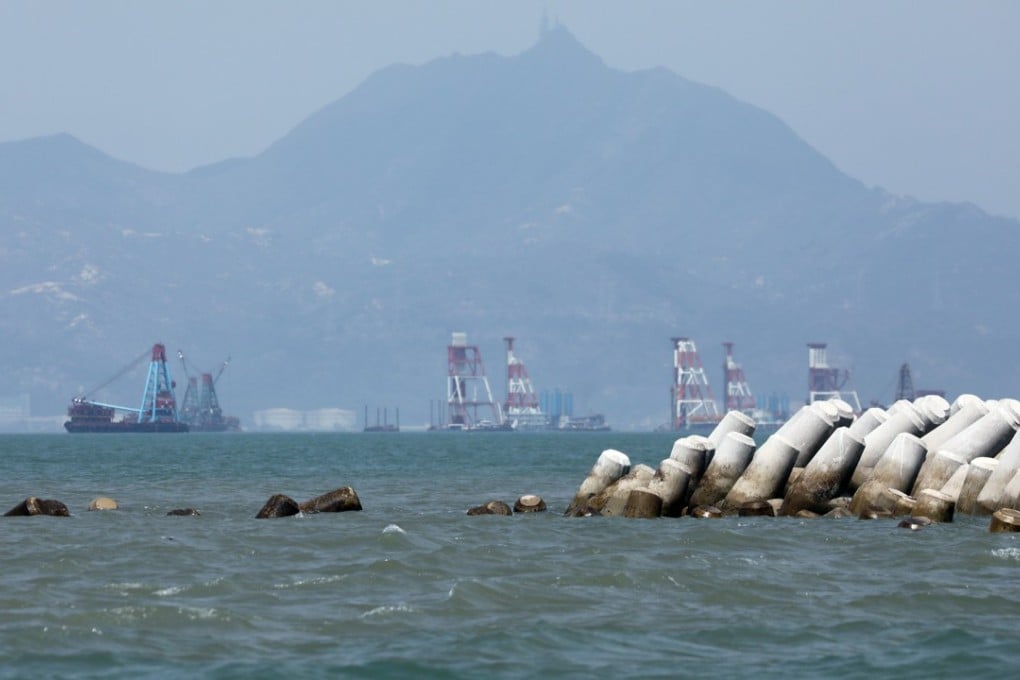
[(547, 24)]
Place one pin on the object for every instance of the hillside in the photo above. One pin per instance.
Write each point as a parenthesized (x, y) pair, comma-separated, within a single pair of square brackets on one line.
[(589, 212)]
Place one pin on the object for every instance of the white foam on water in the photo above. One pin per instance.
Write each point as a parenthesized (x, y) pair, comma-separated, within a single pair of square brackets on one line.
[(314, 580), (1007, 553), (129, 614), (198, 613), (388, 609)]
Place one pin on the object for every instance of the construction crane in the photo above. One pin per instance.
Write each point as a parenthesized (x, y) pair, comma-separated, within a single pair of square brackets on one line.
[(200, 407), (905, 385), (467, 388), (157, 412), (693, 406), (521, 407), (157, 400)]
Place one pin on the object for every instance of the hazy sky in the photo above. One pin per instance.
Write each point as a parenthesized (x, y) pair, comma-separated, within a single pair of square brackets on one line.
[(921, 98)]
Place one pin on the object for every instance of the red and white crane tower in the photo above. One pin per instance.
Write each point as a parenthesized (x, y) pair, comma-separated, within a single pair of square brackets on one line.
[(467, 388), (522, 409), (693, 403), (738, 392)]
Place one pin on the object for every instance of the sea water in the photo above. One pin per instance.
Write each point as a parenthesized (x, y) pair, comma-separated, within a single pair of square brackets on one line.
[(413, 587)]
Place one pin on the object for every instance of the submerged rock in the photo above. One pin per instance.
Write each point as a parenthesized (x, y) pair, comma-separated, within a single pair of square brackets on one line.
[(872, 512), (343, 499), (184, 512), (1005, 520), (529, 503), (103, 503), (756, 509), (38, 506), (279, 506), (491, 508), (706, 512)]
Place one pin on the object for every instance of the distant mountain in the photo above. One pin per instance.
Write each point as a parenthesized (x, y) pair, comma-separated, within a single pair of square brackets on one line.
[(589, 212)]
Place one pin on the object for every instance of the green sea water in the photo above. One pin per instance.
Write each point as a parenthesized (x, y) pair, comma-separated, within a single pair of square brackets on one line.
[(413, 587)]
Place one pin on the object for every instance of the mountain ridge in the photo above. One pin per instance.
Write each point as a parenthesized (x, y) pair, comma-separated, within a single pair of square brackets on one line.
[(590, 212)]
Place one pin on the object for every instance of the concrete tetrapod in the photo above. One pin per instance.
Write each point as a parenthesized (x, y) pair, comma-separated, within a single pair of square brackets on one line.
[(991, 492), (529, 503), (904, 419), (904, 505), (795, 474), (933, 409), (900, 405), (965, 411), (756, 509), (693, 453), (868, 421), (808, 429), (765, 476), (989, 434), (642, 504), (491, 508), (1005, 520), (954, 484), (733, 421), (612, 501), (828, 409), (935, 505), (937, 470), (962, 401), (610, 466), (979, 471), (986, 437), (730, 461), (897, 469), (895, 501), (1010, 497), (670, 484), (826, 475), (844, 413)]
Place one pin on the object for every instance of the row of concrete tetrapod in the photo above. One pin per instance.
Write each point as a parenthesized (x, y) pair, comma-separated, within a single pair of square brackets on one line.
[(924, 459), (342, 499)]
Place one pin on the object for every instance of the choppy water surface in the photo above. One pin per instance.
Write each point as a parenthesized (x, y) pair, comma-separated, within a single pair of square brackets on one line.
[(412, 587)]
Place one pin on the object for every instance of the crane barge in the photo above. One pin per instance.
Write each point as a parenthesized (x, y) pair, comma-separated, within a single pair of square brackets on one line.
[(157, 412), (200, 408)]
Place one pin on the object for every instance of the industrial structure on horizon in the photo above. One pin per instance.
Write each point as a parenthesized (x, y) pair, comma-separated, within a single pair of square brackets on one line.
[(692, 405), (383, 425), (470, 405), (467, 389), (521, 407), (157, 413), (827, 382), (200, 407), (694, 408)]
